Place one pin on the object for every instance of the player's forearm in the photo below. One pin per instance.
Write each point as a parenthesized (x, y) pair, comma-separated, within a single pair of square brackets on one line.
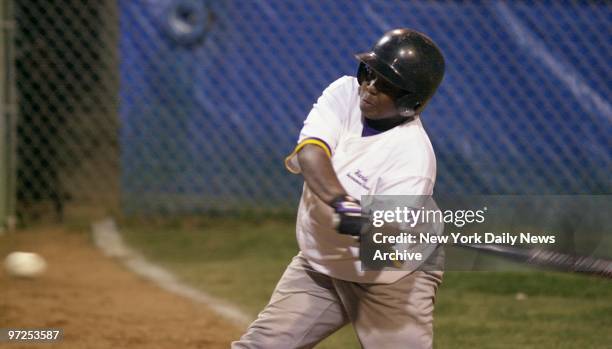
[(319, 173)]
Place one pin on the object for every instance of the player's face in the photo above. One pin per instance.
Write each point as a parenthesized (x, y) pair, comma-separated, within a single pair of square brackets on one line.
[(377, 96)]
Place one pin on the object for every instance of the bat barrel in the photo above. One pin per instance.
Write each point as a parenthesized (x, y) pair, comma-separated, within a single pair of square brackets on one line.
[(560, 261)]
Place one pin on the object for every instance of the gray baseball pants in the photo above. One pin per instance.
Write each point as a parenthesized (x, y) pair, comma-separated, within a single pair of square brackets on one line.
[(308, 306)]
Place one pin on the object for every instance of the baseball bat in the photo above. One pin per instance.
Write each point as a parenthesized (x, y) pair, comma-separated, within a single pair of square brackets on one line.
[(550, 259)]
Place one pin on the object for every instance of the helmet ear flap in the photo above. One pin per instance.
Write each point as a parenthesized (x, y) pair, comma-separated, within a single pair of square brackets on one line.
[(361, 72), (407, 107)]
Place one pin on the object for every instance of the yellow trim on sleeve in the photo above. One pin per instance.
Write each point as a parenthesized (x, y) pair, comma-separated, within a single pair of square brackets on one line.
[(299, 147), (314, 141)]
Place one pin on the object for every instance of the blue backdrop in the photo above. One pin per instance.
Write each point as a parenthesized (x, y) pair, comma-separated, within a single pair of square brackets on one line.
[(213, 94)]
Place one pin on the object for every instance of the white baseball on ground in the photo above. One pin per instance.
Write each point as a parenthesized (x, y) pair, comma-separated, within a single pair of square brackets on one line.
[(24, 264), (520, 296)]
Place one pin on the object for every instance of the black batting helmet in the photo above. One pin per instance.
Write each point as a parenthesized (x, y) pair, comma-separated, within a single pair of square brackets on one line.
[(410, 61)]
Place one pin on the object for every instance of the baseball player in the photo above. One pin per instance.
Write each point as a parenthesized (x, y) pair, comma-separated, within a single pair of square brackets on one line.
[(363, 136)]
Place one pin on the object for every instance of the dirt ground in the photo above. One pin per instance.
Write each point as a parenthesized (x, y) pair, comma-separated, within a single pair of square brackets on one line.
[(97, 302)]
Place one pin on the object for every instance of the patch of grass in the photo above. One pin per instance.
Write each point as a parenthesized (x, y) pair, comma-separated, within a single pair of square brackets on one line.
[(242, 258), (477, 310)]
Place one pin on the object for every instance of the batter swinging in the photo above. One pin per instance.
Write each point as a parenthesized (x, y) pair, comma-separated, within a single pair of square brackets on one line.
[(362, 137)]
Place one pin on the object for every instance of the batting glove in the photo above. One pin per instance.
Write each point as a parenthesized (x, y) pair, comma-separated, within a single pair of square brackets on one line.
[(348, 219)]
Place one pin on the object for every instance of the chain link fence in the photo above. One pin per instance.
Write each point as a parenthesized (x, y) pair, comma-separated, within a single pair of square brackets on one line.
[(67, 78), (183, 106)]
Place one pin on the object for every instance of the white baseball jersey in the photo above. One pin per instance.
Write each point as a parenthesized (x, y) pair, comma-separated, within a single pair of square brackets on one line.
[(399, 161)]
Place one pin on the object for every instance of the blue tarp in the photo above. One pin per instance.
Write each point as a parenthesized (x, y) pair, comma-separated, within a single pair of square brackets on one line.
[(524, 106)]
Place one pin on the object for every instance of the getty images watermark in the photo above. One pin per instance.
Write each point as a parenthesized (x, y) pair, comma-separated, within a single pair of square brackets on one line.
[(406, 231)]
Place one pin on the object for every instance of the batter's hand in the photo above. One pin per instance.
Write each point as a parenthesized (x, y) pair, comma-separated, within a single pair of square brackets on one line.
[(349, 219)]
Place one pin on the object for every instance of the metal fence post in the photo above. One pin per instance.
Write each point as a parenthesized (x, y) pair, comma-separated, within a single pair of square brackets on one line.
[(8, 119)]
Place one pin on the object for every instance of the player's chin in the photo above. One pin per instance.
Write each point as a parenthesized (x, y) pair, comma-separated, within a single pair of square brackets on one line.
[(368, 110)]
